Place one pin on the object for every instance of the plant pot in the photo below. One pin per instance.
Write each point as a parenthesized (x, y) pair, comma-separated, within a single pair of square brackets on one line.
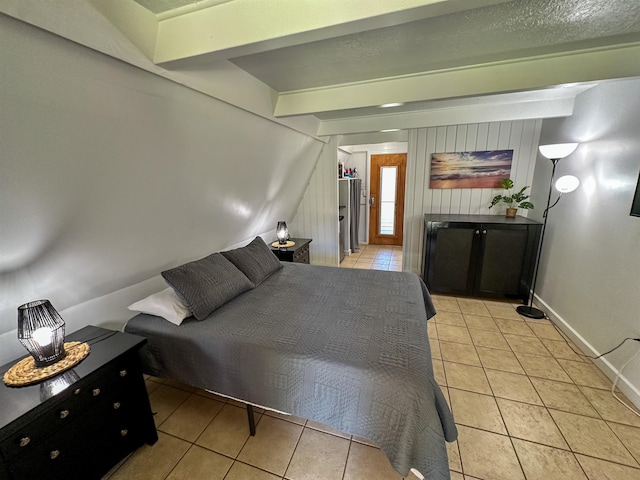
[(511, 212)]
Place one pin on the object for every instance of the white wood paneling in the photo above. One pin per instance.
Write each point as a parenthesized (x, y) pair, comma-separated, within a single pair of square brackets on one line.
[(317, 214), (520, 136)]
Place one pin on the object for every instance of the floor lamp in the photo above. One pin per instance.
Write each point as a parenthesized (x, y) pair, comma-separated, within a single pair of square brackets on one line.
[(564, 184)]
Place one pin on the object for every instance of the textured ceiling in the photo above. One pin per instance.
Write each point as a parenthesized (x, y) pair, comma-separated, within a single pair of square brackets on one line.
[(517, 29), (327, 65)]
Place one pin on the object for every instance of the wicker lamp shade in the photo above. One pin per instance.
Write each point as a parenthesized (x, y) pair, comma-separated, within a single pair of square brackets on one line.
[(41, 331)]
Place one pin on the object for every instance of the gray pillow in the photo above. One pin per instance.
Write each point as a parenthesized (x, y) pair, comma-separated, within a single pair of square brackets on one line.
[(255, 260), (207, 284)]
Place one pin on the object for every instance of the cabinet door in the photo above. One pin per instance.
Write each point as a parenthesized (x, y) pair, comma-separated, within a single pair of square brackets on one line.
[(501, 260), (448, 261)]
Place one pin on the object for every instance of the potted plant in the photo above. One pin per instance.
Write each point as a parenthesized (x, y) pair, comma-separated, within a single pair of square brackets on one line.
[(514, 200)]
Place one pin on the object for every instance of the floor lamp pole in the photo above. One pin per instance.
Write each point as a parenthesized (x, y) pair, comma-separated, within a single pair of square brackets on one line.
[(529, 310)]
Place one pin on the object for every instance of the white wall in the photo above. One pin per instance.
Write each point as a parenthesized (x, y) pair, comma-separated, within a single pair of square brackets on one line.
[(520, 136), (110, 174), (317, 214), (590, 272)]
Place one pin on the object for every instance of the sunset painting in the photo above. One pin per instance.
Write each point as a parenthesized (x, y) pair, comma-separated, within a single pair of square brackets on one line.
[(470, 169)]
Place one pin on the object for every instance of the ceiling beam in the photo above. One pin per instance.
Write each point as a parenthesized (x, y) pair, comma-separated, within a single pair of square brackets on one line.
[(243, 27), (478, 113), (137, 23), (508, 76)]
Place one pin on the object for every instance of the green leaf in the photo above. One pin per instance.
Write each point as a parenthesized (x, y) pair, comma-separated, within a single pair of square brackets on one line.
[(506, 183), (495, 200)]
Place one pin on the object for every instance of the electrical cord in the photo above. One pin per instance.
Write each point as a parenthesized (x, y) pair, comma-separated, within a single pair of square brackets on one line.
[(615, 382), (96, 339), (618, 375), (583, 354)]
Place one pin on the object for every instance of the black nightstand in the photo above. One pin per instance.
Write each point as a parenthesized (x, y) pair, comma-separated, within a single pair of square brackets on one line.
[(83, 431), (299, 253)]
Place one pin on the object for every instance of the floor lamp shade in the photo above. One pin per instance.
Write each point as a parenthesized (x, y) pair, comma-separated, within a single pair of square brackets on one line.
[(41, 332), (558, 150), (565, 184)]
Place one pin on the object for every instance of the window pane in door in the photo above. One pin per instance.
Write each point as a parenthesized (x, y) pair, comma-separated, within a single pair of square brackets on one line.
[(388, 176)]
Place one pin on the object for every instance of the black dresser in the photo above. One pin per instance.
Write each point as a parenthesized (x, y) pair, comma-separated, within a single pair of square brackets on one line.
[(89, 426), (480, 255), (299, 253)]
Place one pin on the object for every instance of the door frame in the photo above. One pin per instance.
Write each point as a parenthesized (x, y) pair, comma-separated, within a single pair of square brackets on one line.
[(382, 148), (400, 192)]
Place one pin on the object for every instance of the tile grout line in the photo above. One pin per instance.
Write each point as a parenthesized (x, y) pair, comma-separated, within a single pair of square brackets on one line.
[(571, 451)]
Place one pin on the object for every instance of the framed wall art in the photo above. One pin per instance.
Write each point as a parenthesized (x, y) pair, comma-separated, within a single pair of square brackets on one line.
[(482, 169)]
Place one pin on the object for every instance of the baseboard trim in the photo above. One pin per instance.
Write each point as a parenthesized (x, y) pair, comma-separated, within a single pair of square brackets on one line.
[(631, 391)]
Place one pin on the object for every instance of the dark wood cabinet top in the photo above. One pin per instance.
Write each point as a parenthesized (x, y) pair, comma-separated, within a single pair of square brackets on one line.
[(299, 243), (106, 345), (462, 218)]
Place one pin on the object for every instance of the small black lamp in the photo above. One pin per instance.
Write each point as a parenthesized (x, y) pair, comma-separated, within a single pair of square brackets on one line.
[(282, 233), (41, 331)]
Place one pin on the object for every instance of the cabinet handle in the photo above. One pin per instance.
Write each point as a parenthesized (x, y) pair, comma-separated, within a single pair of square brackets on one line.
[(484, 232), (54, 454), (123, 373), (477, 232), (76, 391), (95, 392), (124, 432), (24, 441), (116, 405), (64, 413)]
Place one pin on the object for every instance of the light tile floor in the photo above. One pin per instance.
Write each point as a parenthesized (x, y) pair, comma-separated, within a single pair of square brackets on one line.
[(526, 407), (372, 257)]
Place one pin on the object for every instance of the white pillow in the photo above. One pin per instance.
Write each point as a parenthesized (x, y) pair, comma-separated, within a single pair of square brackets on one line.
[(165, 304)]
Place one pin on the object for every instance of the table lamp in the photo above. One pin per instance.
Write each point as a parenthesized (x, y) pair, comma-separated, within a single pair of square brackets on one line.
[(41, 332)]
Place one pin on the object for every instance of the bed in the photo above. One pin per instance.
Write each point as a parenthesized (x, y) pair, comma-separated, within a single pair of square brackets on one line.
[(344, 347)]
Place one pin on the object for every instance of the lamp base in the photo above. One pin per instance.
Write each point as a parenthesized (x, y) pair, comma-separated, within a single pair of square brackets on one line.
[(530, 312)]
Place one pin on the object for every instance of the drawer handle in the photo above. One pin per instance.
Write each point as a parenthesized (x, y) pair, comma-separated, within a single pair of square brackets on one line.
[(76, 391), (95, 392), (64, 413), (54, 454), (116, 405), (124, 432), (24, 441), (123, 373)]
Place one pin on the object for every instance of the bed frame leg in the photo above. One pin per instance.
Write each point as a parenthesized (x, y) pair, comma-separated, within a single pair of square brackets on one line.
[(252, 423)]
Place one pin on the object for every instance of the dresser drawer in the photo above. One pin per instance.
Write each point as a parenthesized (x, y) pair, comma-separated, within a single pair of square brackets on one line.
[(86, 448), (83, 431), (301, 255), (69, 406)]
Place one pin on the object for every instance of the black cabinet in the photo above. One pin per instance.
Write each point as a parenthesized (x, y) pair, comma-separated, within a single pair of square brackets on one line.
[(299, 253), (100, 416), (480, 255)]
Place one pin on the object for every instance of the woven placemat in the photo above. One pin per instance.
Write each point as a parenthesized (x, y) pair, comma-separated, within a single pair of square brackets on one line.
[(277, 244), (26, 373)]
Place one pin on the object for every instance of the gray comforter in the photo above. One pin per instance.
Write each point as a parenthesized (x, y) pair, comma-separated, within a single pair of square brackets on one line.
[(344, 347)]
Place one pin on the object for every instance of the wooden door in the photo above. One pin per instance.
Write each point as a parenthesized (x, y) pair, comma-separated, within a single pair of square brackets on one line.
[(386, 199)]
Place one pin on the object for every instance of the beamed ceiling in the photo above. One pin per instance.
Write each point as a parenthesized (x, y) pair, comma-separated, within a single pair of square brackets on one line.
[(336, 61)]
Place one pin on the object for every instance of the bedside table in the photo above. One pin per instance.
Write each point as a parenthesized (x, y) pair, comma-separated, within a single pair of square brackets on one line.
[(299, 253), (85, 429)]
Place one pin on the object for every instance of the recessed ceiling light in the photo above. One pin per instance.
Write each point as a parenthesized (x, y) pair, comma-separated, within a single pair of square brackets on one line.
[(389, 105), (390, 130)]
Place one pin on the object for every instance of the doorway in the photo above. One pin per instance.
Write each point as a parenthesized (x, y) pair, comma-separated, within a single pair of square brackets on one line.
[(386, 199)]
